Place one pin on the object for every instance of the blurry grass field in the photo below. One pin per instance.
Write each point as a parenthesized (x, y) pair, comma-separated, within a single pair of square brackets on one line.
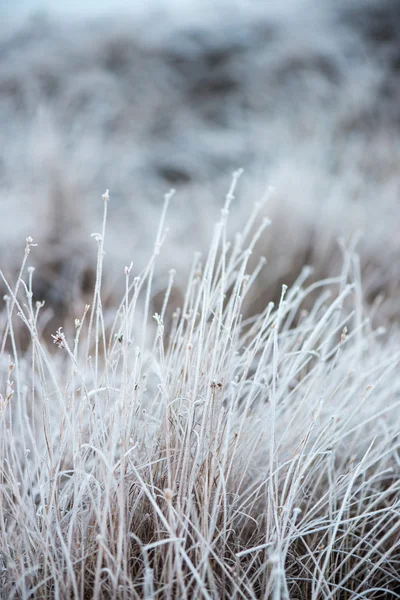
[(301, 95)]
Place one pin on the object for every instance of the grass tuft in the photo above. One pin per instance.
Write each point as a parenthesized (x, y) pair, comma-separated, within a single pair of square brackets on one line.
[(195, 453)]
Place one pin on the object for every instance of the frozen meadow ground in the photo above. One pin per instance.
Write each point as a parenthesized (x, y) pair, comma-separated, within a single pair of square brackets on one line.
[(188, 426)]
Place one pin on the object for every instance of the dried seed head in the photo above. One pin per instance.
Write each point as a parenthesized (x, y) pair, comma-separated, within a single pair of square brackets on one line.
[(29, 243), (128, 269), (59, 338), (168, 495)]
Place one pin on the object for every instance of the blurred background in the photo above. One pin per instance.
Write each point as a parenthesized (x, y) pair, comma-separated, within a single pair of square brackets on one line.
[(139, 97)]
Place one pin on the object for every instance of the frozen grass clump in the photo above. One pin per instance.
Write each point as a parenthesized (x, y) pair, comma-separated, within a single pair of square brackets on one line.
[(197, 454)]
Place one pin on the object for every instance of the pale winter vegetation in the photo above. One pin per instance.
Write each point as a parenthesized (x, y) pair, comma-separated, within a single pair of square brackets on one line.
[(195, 453), (228, 428), (302, 94)]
